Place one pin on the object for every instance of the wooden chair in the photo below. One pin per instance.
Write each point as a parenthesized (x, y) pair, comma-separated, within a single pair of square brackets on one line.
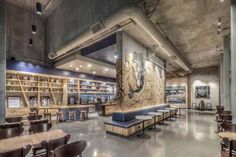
[(11, 132), (60, 116), (11, 125), (73, 149), (34, 117), (51, 145), (20, 152), (38, 128), (209, 107), (228, 148), (13, 119), (72, 115), (228, 127)]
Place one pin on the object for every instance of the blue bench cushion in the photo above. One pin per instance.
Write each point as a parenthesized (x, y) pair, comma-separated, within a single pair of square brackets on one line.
[(130, 115), (126, 124)]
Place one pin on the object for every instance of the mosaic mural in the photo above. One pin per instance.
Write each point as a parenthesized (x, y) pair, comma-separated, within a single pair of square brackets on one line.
[(141, 82)]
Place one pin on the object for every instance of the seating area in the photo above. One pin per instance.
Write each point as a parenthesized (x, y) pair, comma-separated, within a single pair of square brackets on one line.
[(125, 123)]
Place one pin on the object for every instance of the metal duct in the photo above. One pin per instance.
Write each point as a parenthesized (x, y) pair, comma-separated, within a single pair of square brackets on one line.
[(137, 16)]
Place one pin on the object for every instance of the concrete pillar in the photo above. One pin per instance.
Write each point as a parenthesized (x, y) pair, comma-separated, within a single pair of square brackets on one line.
[(226, 74), (221, 91), (233, 60), (2, 60)]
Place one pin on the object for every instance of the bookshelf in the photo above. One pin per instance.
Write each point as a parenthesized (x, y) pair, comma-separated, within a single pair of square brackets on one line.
[(39, 90)]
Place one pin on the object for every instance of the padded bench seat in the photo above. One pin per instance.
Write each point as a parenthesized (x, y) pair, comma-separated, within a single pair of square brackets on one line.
[(126, 124)]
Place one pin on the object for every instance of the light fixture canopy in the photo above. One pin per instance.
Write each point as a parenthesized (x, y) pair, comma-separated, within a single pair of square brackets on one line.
[(38, 8), (33, 29), (30, 42)]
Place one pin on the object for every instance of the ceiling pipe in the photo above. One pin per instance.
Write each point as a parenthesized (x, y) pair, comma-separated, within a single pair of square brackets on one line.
[(137, 16)]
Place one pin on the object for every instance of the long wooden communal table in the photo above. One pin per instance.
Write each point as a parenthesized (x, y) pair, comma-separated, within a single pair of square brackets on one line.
[(65, 109), (33, 140)]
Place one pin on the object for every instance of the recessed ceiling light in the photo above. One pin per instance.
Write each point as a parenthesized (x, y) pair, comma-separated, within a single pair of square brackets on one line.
[(94, 72), (71, 65), (222, 0), (80, 66), (115, 56), (77, 69), (106, 69), (89, 65)]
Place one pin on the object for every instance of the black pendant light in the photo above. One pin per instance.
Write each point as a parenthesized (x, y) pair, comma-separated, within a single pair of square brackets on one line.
[(30, 42), (38, 8), (33, 29)]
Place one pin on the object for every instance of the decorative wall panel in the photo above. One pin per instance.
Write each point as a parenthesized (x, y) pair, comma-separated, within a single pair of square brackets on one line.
[(142, 82)]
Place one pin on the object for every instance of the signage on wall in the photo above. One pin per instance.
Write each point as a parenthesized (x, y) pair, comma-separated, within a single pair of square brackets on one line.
[(13, 102), (202, 92)]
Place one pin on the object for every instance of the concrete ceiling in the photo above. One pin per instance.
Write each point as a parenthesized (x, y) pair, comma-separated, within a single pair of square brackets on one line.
[(47, 5), (192, 27)]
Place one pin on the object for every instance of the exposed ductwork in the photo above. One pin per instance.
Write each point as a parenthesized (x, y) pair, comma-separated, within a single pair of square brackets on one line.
[(136, 15)]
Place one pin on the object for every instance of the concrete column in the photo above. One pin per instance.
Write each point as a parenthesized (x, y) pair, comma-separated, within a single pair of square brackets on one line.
[(233, 60), (2, 60), (226, 74), (221, 91)]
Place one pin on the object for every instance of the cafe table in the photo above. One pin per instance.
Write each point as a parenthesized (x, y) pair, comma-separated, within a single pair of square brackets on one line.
[(33, 140), (143, 118), (229, 135), (155, 114)]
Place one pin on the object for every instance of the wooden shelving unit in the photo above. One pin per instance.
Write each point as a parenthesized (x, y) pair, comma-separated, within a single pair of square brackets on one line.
[(36, 90)]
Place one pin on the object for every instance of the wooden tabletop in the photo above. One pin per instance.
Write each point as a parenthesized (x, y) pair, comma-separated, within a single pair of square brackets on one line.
[(34, 139), (229, 135)]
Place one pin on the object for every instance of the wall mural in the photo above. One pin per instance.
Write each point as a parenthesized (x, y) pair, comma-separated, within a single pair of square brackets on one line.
[(142, 82)]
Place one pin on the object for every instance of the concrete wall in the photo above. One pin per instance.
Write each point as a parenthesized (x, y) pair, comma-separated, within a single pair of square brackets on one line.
[(18, 33), (206, 78), (2, 60), (72, 17)]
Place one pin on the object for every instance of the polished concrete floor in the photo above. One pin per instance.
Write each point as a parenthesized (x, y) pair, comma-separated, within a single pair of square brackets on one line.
[(192, 135)]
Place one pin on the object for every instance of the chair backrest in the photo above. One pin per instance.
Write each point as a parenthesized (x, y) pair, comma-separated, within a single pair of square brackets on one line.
[(41, 127), (10, 132), (73, 149), (20, 152), (51, 145), (41, 121), (228, 127), (37, 117), (226, 118), (13, 119), (11, 125)]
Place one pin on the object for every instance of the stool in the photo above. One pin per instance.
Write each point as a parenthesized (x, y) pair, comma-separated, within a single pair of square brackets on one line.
[(60, 116), (72, 115), (33, 113), (48, 116), (82, 115)]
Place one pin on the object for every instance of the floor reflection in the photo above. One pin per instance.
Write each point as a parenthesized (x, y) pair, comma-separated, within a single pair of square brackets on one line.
[(193, 134)]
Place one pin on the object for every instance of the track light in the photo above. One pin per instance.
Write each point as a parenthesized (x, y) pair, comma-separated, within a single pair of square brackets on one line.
[(34, 29), (30, 42), (219, 21), (38, 8)]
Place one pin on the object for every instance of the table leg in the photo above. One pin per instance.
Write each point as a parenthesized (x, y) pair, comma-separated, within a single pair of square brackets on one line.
[(143, 135), (154, 128)]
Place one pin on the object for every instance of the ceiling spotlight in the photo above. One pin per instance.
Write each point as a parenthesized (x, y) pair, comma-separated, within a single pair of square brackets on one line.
[(219, 28), (80, 66), (30, 42), (219, 21), (106, 69), (222, 0), (71, 65), (115, 56), (76, 69), (33, 29), (89, 65), (94, 72), (38, 8)]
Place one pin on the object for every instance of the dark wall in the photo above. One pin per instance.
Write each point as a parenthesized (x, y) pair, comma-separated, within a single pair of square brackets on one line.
[(34, 68)]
